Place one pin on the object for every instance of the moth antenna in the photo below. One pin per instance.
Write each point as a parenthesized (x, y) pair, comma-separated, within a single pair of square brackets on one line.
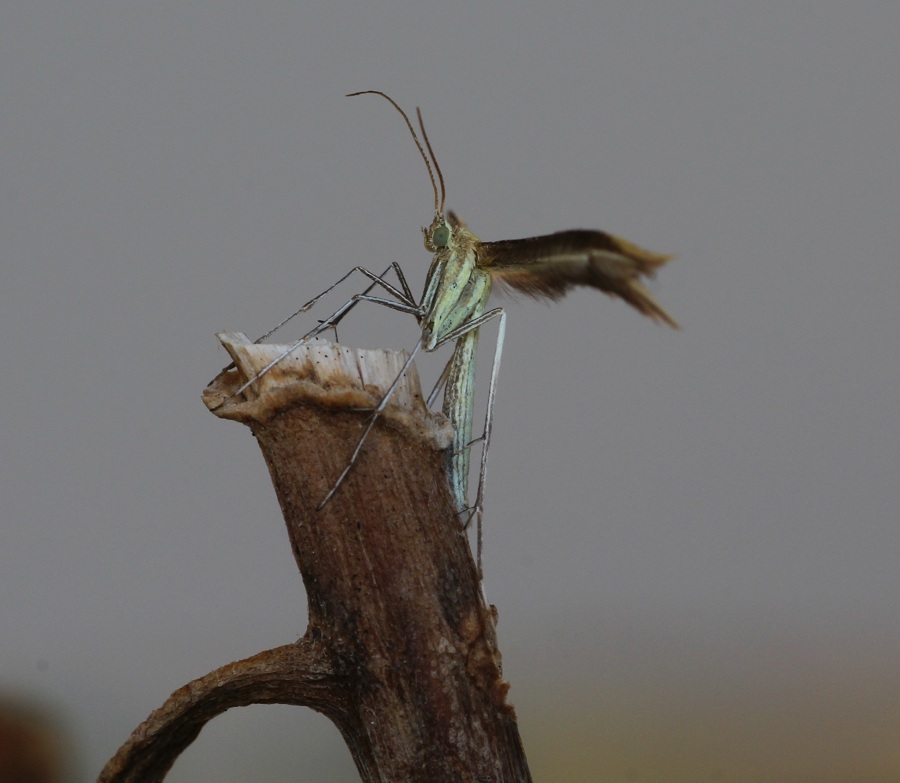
[(412, 130), (437, 168)]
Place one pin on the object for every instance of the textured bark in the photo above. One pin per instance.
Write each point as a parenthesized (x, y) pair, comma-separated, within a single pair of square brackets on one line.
[(401, 651)]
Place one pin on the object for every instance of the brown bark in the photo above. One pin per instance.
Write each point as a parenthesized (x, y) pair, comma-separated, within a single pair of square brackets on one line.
[(400, 652)]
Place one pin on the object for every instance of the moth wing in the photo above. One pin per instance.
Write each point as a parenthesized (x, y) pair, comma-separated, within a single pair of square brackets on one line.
[(546, 267)]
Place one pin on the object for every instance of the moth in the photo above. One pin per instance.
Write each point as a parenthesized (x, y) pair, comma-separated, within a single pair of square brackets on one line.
[(453, 308)]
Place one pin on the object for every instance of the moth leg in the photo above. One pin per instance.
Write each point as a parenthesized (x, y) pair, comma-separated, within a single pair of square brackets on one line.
[(459, 407), (372, 419), (405, 302)]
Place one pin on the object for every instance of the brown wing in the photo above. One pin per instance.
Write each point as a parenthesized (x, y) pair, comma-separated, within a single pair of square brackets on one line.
[(547, 267)]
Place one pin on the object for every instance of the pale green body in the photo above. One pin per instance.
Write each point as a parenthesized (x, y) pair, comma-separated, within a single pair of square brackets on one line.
[(456, 292)]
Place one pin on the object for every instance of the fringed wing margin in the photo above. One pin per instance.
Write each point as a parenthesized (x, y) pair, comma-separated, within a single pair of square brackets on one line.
[(547, 267)]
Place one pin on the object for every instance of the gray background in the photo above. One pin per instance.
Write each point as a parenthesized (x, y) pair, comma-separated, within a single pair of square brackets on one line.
[(692, 538)]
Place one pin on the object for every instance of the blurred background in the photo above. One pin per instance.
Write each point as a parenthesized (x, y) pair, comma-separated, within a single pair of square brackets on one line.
[(692, 537)]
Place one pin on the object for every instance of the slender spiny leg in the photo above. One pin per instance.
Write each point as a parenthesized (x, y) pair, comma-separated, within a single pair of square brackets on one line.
[(329, 322), (405, 303), (488, 426), (372, 419), (413, 309), (459, 410), (332, 321), (404, 295)]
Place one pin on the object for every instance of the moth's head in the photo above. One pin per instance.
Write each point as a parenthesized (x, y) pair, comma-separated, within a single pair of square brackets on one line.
[(443, 230), (438, 235)]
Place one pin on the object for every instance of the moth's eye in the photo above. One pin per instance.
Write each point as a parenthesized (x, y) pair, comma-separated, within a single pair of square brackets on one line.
[(440, 237)]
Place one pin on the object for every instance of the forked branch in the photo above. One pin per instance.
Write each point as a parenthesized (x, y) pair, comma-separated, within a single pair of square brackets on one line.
[(400, 652), (293, 674)]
